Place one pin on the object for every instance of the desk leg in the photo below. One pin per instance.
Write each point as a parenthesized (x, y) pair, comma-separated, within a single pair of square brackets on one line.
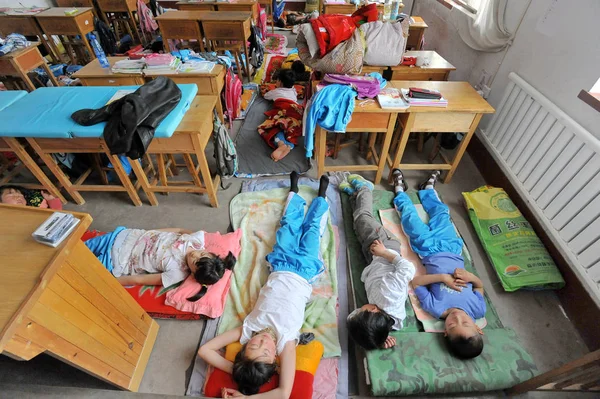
[(24, 157), (462, 148), (143, 179), (91, 53), (403, 140), (205, 171), (25, 78), (321, 150), (247, 63), (49, 73), (125, 181), (386, 147), (219, 108), (58, 173)]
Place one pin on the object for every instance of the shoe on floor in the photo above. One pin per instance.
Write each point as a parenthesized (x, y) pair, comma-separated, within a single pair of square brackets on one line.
[(359, 182), (431, 180), (398, 181)]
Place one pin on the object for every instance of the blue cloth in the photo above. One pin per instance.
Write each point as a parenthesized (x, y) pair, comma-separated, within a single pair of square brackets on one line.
[(428, 239), (7, 97), (101, 246), (297, 249), (440, 248), (332, 109), (281, 137), (379, 77), (278, 7)]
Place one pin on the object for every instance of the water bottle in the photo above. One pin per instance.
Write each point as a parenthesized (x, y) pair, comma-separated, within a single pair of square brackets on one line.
[(395, 10), (387, 10), (99, 52)]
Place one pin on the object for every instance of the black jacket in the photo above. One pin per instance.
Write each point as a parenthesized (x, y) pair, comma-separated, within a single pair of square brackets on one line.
[(131, 120)]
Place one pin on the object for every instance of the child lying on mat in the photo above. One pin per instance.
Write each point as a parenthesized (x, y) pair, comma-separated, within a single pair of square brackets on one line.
[(386, 276), (272, 329), (447, 291), (16, 195), (283, 126), (159, 257)]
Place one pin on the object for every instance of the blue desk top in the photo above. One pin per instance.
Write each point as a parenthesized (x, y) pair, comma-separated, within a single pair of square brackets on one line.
[(8, 97), (46, 112)]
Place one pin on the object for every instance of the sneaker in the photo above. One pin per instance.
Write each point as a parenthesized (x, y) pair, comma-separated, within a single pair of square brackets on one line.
[(359, 182), (431, 180), (346, 188), (398, 181)]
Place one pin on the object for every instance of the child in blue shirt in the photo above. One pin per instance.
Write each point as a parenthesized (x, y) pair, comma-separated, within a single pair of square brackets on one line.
[(447, 291)]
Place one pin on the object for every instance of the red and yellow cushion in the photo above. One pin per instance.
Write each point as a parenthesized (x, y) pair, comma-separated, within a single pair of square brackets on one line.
[(308, 358)]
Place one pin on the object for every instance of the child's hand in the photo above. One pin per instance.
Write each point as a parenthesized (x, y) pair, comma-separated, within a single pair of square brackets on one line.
[(47, 196), (389, 342), (377, 248), (464, 275), (231, 393), (454, 283)]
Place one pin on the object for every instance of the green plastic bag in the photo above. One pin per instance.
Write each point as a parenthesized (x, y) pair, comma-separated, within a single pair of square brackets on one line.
[(516, 252)]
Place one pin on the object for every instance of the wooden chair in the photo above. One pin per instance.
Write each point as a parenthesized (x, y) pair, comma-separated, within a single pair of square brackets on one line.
[(581, 375)]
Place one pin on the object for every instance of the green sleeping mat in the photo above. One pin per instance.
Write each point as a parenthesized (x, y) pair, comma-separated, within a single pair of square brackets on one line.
[(421, 363)]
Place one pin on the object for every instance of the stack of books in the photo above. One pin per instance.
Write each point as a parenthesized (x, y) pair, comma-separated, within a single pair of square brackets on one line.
[(423, 102), (128, 66), (157, 64), (194, 66), (391, 98), (55, 229)]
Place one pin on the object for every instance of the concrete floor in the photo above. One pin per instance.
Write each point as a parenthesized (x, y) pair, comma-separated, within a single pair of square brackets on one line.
[(537, 317)]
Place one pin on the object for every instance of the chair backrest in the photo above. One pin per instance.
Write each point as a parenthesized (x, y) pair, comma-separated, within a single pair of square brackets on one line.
[(581, 375)]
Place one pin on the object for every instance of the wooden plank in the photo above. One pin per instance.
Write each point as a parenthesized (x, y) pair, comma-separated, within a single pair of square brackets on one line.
[(72, 354), (136, 379), (22, 348), (443, 122), (47, 318), (70, 314), (368, 122), (87, 265), (108, 309)]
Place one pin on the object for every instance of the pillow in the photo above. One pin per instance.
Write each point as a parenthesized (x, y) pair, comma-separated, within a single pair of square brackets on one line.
[(311, 39), (213, 302), (308, 358)]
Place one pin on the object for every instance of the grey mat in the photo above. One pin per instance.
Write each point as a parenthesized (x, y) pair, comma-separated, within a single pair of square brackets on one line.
[(254, 155)]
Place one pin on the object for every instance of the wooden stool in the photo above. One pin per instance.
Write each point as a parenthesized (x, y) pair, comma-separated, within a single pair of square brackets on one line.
[(19, 62), (121, 11)]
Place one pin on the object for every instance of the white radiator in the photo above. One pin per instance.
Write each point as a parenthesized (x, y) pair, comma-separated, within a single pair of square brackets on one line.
[(555, 165)]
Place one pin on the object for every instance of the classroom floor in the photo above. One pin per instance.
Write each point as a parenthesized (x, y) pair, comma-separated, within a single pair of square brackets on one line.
[(537, 317)]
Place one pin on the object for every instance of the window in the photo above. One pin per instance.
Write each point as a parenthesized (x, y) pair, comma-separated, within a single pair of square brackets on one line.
[(591, 97)]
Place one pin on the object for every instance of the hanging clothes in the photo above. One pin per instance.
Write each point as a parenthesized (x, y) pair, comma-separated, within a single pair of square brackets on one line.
[(332, 109), (147, 22), (105, 36)]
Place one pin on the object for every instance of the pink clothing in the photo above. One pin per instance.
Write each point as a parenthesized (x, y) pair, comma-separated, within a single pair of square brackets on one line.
[(212, 303)]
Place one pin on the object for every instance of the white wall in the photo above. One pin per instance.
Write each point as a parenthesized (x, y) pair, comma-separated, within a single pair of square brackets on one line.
[(559, 57)]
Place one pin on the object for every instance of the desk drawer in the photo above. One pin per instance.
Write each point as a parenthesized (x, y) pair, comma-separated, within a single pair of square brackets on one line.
[(113, 81), (180, 29), (206, 84), (7, 69), (116, 5), (438, 75), (176, 144), (443, 122), (59, 26), (214, 30), (368, 122), (196, 7), (24, 26)]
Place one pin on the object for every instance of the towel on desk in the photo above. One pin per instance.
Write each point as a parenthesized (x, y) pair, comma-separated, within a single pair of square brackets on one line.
[(132, 120)]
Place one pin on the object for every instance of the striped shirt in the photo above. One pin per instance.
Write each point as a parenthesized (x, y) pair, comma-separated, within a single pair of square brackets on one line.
[(387, 285)]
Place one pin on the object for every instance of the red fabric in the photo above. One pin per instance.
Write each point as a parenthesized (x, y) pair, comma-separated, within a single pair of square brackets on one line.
[(274, 64), (54, 204), (150, 298), (286, 117), (302, 389), (332, 29)]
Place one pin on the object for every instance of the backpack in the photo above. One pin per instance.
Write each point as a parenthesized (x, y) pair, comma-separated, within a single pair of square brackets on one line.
[(366, 86), (233, 95), (224, 151), (257, 47)]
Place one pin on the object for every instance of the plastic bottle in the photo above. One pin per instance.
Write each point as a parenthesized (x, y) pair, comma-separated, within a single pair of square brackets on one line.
[(99, 52), (395, 10), (387, 10)]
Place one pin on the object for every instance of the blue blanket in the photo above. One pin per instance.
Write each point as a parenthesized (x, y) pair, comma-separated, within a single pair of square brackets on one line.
[(101, 246)]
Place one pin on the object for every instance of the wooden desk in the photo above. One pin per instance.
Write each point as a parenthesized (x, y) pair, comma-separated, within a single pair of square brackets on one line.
[(464, 111), (250, 6), (62, 301), (94, 75), (365, 119), (438, 68), (183, 25), (190, 138), (128, 7), (17, 21), (416, 31), (54, 22), (78, 4), (18, 63), (336, 8)]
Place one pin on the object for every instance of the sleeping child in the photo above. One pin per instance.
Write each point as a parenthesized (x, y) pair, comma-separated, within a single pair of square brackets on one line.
[(271, 331), (16, 195), (447, 291), (386, 275), (283, 126), (159, 257)]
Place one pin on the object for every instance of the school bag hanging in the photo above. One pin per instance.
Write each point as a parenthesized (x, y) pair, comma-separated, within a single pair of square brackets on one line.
[(233, 95), (147, 22), (224, 151), (257, 48)]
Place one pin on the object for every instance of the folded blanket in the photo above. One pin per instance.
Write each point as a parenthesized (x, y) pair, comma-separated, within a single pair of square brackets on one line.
[(258, 215)]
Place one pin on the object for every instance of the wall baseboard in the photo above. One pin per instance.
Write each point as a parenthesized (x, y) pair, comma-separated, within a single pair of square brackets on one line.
[(577, 302)]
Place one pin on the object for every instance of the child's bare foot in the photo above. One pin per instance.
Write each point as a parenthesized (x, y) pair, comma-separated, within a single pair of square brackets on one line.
[(281, 152)]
